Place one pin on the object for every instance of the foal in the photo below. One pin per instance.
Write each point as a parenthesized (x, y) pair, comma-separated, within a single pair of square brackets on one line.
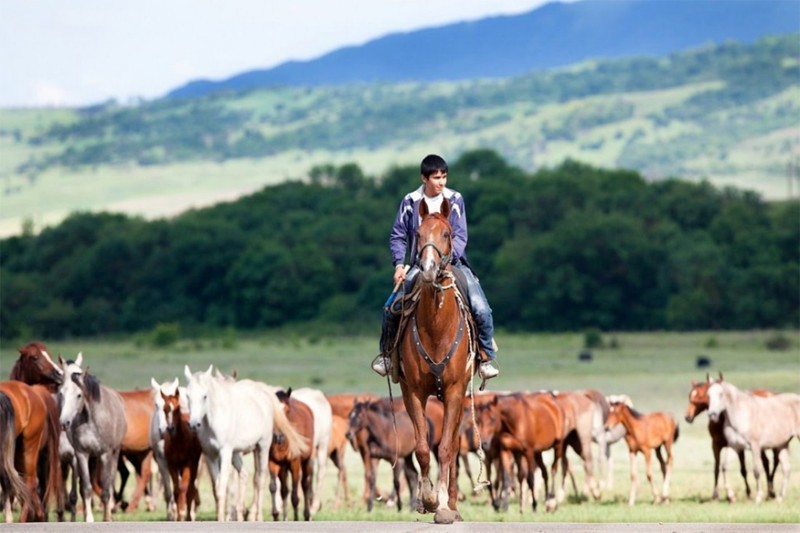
[(647, 432)]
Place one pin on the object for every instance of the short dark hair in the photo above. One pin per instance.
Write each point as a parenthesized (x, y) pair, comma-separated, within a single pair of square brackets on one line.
[(431, 164)]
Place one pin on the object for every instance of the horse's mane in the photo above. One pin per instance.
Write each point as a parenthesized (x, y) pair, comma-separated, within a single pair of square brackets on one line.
[(636, 414), (90, 385)]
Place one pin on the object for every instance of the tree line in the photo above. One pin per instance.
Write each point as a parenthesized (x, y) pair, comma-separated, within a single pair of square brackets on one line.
[(562, 249)]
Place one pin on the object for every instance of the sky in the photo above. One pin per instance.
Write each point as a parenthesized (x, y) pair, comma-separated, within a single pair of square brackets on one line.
[(80, 52)]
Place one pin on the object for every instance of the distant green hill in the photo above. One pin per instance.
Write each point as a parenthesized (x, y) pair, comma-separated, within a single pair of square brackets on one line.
[(728, 113)]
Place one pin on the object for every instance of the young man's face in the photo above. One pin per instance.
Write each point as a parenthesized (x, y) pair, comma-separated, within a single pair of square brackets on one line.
[(435, 183)]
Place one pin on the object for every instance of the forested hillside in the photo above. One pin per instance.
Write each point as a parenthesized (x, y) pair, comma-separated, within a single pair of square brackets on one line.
[(562, 249)]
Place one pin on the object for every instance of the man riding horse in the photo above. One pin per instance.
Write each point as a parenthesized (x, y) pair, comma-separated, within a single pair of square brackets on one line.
[(433, 173)]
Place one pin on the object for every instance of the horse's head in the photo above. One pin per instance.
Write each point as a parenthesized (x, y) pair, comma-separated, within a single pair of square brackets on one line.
[(168, 404), (197, 391), (698, 400), (716, 401), (434, 241), (35, 366), (489, 421), (76, 391)]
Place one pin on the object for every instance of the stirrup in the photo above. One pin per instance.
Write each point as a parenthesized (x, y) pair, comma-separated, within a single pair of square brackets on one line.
[(381, 365)]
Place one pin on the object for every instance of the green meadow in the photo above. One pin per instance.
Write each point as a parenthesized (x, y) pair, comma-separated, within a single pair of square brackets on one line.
[(655, 369)]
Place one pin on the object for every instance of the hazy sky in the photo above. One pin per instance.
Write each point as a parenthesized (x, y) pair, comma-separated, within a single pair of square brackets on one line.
[(77, 52)]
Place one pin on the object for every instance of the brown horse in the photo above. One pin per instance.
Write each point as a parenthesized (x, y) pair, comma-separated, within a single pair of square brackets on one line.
[(437, 358), (698, 402), (386, 439), (579, 418), (182, 450), (645, 433), (341, 406), (524, 425), (35, 367), (33, 431), (282, 462), (139, 410)]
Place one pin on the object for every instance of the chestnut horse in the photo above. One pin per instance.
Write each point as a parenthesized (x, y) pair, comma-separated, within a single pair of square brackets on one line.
[(524, 425), (35, 367), (645, 433), (698, 402), (28, 429), (437, 358), (282, 462)]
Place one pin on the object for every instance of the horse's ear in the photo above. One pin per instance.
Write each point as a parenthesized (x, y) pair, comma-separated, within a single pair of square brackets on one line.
[(79, 359), (445, 209), (175, 384), (693, 383), (708, 377), (289, 392), (187, 372), (154, 384), (235, 373), (423, 208), (210, 370), (60, 360), (720, 377)]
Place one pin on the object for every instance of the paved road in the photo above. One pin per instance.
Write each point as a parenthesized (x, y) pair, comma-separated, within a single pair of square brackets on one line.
[(399, 527)]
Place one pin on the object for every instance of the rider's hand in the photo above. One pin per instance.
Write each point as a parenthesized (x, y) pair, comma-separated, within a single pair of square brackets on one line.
[(399, 274)]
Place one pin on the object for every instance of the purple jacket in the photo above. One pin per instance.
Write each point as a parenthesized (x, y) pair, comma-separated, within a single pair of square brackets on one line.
[(404, 231)]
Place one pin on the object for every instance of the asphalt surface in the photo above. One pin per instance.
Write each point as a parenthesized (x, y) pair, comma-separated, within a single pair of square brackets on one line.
[(401, 527)]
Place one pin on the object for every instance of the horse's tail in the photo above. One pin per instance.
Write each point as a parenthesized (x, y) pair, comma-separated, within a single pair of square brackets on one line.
[(52, 461), (9, 477), (298, 445), (677, 433)]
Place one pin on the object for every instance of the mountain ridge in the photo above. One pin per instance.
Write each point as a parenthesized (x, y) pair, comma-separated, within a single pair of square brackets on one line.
[(553, 35)]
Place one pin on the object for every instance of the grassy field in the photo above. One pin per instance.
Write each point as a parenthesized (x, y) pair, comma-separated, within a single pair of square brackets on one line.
[(654, 369)]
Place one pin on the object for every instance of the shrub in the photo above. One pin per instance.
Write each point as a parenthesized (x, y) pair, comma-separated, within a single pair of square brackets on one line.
[(593, 338), (165, 334), (778, 342)]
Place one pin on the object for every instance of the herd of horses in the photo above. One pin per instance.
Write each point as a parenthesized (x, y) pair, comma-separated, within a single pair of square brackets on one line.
[(59, 423)]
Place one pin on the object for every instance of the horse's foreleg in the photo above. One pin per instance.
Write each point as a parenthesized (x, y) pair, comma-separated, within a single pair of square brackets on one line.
[(415, 406), (664, 473), (770, 472), (108, 463), (648, 469), (756, 450), (221, 483), (86, 487), (163, 471), (309, 488), (725, 457), (550, 495), (634, 478), (786, 467), (716, 449)]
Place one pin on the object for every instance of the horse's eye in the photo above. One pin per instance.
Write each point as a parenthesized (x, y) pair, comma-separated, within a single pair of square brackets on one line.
[(79, 395), (446, 235)]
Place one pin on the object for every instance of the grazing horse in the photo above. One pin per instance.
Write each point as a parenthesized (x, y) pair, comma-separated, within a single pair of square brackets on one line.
[(182, 449), (323, 425), (36, 368), (757, 423), (385, 441), (233, 417), (524, 425), (281, 462), (27, 431), (94, 416), (698, 402), (437, 358), (645, 433)]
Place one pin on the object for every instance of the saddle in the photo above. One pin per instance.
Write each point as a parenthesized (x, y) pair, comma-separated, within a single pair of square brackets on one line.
[(405, 306)]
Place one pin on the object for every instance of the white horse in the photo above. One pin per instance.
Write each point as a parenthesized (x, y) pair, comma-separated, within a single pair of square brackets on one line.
[(757, 423), (94, 417), (236, 417), (323, 424)]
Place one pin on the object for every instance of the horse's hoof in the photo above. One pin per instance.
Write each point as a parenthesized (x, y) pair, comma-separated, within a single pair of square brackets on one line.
[(445, 516), (551, 505)]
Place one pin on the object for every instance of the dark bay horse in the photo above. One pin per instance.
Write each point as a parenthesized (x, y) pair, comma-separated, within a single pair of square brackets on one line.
[(182, 450), (698, 402), (386, 439), (437, 356), (646, 433)]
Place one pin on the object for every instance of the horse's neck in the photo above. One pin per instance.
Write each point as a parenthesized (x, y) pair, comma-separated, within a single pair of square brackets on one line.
[(434, 305)]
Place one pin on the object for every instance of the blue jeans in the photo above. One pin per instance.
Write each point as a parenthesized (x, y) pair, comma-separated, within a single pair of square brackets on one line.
[(479, 306)]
